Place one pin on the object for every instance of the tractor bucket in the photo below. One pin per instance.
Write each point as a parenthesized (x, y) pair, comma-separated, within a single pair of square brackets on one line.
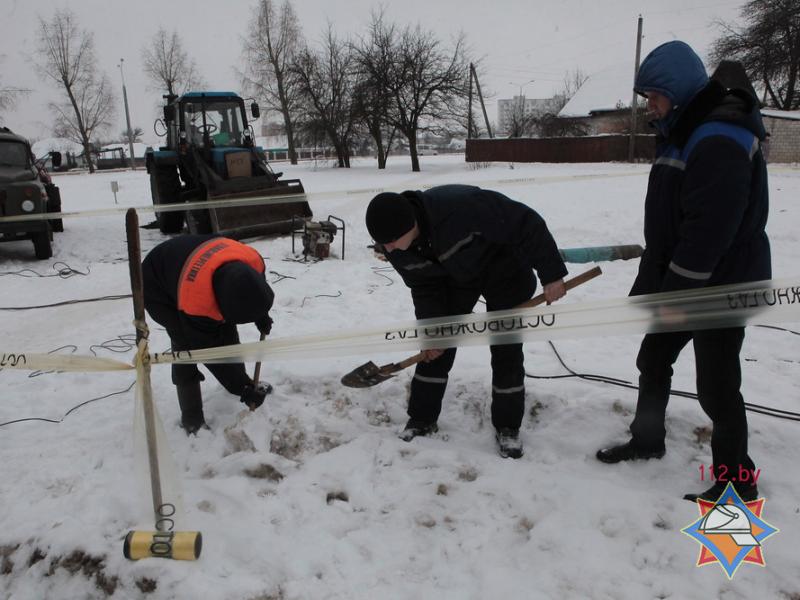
[(257, 219)]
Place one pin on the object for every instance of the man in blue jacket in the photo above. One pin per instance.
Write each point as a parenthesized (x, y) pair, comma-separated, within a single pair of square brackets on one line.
[(705, 213), (452, 244)]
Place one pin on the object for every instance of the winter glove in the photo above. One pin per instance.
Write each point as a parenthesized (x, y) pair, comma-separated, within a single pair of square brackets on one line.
[(264, 324), (253, 396)]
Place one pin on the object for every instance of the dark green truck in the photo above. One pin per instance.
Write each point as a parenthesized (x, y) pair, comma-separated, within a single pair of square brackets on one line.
[(26, 189)]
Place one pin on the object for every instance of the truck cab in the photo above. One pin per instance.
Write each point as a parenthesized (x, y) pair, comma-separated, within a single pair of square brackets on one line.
[(26, 189)]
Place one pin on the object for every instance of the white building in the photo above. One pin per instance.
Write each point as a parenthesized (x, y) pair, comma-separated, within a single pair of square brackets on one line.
[(519, 108)]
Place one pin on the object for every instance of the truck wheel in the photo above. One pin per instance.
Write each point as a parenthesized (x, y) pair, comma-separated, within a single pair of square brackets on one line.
[(165, 188), (54, 205), (41, 245)]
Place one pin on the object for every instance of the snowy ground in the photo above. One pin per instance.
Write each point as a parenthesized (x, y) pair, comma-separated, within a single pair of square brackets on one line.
[(313, 495)]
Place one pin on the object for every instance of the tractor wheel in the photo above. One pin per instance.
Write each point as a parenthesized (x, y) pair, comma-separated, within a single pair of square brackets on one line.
[(54, 205), (41, 245), (165, 188), (199, 222)]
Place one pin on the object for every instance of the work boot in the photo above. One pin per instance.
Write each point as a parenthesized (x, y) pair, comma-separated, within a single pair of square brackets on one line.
[(191, 402), (415, 428), (712, 494), (628, 451), (508, 443)]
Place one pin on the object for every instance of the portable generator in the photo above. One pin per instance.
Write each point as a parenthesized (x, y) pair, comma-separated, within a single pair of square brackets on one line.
[(317, 237)]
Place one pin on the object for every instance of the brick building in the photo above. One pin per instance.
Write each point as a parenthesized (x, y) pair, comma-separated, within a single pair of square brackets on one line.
[(783, 127)]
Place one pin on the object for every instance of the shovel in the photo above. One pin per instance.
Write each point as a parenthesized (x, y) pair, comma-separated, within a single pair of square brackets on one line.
[(256, 373), (370, 374)]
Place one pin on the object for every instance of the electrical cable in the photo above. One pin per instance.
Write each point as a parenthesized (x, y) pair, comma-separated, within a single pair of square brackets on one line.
[(281, 277), (338, 295), (380, 271), (756, 408), (64, 272), (779, 329), (73, 349), (71, 410), (120, 344), (67, 302), (68, 271)]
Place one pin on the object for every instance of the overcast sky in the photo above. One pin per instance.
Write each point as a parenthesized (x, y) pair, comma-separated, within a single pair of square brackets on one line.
[(516, 40)]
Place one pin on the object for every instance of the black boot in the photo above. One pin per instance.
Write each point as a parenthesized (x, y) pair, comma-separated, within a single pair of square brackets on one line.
[(628, 451), (508, 443), (747, 493), (414, 428), (191, 403)]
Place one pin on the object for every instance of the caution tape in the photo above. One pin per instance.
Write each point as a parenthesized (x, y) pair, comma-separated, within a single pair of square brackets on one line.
[(776, 301), (285, 198), (59, 362), (178, 207), (707, 308)]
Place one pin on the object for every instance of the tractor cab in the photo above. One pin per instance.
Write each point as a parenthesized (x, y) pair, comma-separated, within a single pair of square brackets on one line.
[(213, 120)]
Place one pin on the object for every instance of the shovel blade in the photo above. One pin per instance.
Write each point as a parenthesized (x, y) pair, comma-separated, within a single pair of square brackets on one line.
[(366, 375)]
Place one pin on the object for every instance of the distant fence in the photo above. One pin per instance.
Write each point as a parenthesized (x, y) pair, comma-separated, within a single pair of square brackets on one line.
[(604, 148)]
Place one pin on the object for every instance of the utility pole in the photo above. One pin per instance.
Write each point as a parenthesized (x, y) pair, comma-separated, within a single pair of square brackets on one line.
[(469, 115), (480, 97), (127, 116), (632, 142)]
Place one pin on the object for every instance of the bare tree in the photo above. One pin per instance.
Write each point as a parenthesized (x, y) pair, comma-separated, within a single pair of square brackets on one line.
[(66, 55), (573, 80), (9, 96), (168, 66), (425, 83), (551, 125), (375, 57), (327, 81), (96, 106), (136, 135), (521, 122), (270, 49), (768, 46)]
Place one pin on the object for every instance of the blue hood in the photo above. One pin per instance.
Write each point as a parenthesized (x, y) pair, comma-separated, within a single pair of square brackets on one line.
[(675, 71)]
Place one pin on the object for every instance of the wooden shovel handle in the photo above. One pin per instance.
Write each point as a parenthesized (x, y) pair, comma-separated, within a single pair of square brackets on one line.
[(568, 284), (257, 370), (411, 360), (535, 301)]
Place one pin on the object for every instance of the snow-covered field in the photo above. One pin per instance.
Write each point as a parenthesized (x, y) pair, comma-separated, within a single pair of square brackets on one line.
[(313, 496)]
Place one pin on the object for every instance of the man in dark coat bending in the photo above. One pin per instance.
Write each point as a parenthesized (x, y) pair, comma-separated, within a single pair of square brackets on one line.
[(199, 287), (452, 244), (704, 218)]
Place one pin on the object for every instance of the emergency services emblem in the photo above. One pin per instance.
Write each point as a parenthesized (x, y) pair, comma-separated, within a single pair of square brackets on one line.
[(730, 531)]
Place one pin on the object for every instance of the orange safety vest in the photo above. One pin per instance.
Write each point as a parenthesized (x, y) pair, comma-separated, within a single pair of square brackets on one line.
[(195, 290)]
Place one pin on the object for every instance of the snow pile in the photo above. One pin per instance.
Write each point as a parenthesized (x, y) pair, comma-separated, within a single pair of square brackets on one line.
[(313, 495)]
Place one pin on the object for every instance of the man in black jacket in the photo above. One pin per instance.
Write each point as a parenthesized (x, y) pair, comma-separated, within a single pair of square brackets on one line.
[(199, 287), (452, 244), (705, 213)]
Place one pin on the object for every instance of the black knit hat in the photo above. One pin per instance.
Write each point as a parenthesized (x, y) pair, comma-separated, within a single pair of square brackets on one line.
[(389, 217), (242, 293)]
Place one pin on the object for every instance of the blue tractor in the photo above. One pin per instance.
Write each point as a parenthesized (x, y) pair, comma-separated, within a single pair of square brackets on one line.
[(210, 154)]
